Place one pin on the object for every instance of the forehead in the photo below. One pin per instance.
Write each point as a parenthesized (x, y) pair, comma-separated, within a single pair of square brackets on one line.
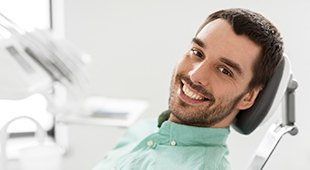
[(221, 41)]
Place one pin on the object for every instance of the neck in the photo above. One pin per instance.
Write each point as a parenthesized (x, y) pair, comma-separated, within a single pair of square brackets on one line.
[(222, 124)]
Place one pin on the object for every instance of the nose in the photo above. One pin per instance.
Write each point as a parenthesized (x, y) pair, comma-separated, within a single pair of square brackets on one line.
[(200, 74)]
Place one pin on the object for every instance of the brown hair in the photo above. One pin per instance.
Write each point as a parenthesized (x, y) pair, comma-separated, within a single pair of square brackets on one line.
[(261, 31)]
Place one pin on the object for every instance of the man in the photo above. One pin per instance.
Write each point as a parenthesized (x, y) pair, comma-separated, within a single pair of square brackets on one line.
[(231, 57)]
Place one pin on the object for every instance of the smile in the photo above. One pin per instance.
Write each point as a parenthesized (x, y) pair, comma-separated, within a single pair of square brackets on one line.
[(189, 95)]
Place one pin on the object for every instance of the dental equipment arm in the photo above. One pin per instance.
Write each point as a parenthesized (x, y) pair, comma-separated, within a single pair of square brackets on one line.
[(277, 130)]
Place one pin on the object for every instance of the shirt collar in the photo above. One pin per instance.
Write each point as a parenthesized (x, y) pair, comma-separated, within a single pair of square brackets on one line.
[(192, 135)]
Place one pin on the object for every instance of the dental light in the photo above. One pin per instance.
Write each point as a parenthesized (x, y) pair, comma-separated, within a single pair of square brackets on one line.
[(37, 62)]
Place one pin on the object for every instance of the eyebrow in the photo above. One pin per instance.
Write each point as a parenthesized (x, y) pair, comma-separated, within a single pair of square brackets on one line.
[(198, 42), (231, 64)]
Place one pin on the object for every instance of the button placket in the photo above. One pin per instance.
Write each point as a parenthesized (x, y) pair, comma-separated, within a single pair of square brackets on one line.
[(150, 143), (173, 143)]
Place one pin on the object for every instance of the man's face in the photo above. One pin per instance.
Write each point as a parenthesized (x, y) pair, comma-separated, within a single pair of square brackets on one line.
[(210, 83)]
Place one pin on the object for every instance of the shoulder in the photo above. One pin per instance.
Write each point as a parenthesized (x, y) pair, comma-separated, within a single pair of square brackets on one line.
[(194, 157), (224, 164), (217, 159), (137, 132)]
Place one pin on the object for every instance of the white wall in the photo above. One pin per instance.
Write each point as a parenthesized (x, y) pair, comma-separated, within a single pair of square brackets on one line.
[(136, 44)]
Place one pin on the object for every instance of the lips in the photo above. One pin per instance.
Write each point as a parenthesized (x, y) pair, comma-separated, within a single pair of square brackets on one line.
[(189, 95)]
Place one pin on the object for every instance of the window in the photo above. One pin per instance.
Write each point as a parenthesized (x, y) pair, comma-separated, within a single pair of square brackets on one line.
[(28, 14)]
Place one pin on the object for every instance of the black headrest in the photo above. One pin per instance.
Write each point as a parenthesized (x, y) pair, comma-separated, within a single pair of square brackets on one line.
[(248, 120)]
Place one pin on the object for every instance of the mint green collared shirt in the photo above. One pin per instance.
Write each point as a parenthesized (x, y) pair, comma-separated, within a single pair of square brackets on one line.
[(173, 146)]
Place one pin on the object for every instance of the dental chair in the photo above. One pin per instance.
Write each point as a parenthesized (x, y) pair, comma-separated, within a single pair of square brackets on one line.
[(280, 89), (57, 70)]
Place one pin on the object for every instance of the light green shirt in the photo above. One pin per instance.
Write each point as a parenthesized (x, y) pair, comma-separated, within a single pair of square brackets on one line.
[(173, 146)]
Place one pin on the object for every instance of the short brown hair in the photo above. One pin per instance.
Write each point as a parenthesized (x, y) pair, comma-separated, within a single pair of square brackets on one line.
[(259, 30)]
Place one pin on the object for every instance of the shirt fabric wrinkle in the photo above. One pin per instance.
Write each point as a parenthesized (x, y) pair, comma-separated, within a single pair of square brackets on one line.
[(172, 146)]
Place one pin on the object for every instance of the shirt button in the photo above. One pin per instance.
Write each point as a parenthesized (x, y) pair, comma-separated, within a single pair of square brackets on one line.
[(173, 143), (150, 143)]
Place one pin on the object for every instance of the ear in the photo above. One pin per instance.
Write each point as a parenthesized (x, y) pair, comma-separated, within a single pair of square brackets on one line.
[(249, 98)]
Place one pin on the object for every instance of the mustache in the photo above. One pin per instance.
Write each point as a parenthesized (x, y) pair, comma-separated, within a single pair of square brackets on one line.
[(200, 89)]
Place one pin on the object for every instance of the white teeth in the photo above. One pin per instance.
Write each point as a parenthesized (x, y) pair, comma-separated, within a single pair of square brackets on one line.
[(191, 94), (179, 91)]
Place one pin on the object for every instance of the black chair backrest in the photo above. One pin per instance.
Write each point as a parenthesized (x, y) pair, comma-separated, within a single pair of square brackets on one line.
[(248, 120)]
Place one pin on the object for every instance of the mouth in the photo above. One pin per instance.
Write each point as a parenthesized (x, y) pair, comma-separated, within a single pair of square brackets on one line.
[(191, 96)]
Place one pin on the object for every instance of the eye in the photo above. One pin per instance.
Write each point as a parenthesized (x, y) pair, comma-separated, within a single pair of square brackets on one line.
[(225, 71), (196, 52)]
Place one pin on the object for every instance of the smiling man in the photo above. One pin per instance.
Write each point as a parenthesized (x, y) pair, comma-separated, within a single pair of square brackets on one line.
[(210, 84), (231, 57)]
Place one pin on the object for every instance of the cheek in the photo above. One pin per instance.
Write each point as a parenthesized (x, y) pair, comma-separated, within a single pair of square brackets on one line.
[(224, 91), (184, 65)]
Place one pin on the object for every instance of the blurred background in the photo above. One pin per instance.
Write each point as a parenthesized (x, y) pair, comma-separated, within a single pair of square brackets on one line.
[(135, 45)]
